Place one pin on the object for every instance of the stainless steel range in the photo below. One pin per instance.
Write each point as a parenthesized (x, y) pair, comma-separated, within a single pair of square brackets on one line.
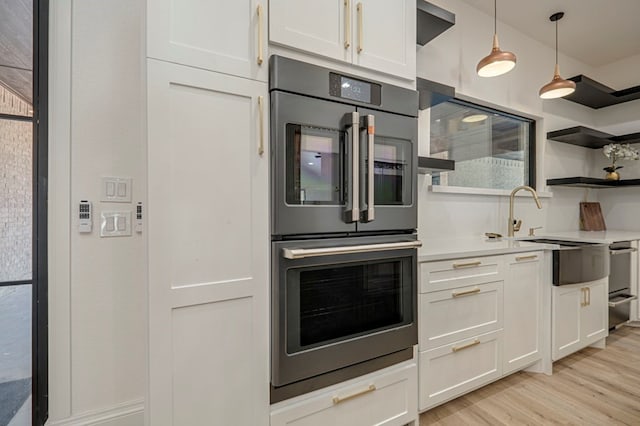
[(344, 215)]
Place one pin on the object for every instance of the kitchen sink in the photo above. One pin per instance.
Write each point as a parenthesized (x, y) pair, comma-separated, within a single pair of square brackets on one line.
[(577, 261)]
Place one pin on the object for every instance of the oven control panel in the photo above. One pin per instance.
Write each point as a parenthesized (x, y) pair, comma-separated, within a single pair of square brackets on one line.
[(354, 89)]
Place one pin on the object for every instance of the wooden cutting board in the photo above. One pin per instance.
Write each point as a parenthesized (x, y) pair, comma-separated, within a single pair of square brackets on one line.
[(591, 217)]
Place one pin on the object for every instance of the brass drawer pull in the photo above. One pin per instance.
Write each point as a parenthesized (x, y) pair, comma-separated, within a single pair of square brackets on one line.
[(338, 400), (464, 293), (347, 24), (466, 265), (467, 346), (260, 42), (531, 257)]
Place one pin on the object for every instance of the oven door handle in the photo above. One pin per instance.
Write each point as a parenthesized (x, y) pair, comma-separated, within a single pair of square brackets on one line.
[(623, 251), (289, 253), (353, 215), (371, 130)]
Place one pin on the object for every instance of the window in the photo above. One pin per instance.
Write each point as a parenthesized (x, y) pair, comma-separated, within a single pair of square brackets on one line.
[(492, 149)]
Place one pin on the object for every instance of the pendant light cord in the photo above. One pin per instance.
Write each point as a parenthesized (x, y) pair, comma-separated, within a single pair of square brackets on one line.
[(495, 16), (556, 42)]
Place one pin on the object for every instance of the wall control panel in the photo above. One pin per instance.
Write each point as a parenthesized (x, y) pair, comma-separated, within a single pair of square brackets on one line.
[(116, 190), (85, 216), (115, 224), (139, 217)]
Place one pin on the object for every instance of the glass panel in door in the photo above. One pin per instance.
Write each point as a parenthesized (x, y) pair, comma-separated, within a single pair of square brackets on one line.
[(315, 166), (331, 303), (391, 170)]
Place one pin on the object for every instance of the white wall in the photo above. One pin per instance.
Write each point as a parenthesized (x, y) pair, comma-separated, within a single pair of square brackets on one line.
[(451, 59), (97, 285)]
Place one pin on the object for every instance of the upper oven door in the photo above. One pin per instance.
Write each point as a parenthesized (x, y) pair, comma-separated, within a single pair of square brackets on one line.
[(388, 156), (341, 302), (312, 157)]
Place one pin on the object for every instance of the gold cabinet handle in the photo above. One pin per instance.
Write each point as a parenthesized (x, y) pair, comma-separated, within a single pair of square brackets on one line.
[(465, 293), (467, 346), (338, 399), (588, 296), (583, 302), (347, 24), (466, 265), (360, 44), (260, 58), (261, 118), (521, 258)]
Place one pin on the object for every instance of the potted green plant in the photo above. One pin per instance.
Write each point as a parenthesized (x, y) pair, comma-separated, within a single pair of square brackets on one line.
[(617, 152)]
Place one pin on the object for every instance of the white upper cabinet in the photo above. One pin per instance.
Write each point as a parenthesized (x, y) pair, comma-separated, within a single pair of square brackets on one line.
[(217, 35), (313, 26), (376, 34), (385, 36)]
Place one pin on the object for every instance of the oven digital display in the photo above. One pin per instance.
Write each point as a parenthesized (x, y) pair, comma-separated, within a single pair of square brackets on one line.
[(355, 89)]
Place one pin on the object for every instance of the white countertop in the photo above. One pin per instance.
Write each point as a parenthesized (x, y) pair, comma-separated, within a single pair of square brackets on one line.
[(461, 247), (592, 236), (449, 248)]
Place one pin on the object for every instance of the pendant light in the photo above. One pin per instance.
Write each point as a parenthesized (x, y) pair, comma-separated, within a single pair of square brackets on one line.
[(497, 62), (558, 87)]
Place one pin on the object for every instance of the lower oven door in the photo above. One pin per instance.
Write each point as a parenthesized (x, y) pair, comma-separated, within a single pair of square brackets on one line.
[(339, 302)]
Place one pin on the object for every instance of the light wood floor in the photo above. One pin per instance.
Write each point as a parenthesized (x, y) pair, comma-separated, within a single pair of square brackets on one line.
[(590, 387)]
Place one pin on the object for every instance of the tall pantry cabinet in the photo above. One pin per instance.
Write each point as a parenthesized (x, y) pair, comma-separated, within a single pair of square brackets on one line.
[(207, 226)]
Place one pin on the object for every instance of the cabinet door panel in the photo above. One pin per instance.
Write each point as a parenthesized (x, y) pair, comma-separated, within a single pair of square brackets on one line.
[(522, 311), (208, 245), (216, 35), (316, 27), (452, 370), (566, 320), (451, 315), (595, 316), (384, 34)]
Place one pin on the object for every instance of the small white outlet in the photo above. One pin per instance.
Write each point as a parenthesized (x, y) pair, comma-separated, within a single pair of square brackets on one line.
[(116, 190), (115, 224)]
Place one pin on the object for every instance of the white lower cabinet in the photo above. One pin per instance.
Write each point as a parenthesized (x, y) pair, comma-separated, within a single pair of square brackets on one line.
[(387, 397), (451, 370), (523, 310), (479, 319), (580, 316)]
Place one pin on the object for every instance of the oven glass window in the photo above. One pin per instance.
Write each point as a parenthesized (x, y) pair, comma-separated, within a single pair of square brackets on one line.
[(334, 303), (315, 166), (392, 168)]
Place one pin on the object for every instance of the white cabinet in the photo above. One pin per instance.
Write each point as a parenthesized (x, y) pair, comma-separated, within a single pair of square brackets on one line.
[(385, 398), (376, 34), (479, 319), (523, 310), (208, 247), (218, 35), (580, 316), (452, 370), (460, 327)]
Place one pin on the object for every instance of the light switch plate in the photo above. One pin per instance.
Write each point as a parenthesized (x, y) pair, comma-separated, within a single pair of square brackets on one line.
[(115, 224), (116, 190)]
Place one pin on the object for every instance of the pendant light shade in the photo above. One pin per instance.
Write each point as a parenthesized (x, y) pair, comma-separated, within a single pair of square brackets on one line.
[(558, 87), (497, 62)]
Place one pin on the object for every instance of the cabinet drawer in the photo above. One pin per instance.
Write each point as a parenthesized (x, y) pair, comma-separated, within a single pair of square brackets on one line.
[(447, 316), (378, 399), (447, 274), (451, 370)]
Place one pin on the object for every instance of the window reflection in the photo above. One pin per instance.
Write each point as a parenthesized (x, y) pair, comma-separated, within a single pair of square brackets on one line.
[(491, 148)]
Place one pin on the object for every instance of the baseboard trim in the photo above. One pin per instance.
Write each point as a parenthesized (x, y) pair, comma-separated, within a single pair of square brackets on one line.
[(106, 416)]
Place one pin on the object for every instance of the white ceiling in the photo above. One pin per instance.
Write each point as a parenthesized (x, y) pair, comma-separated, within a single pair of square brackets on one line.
[(595, 32)]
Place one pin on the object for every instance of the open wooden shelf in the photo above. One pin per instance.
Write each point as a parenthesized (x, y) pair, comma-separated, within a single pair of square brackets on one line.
[(430, 165), (596, 95), (590, 138), (587, 182), (432, 21)]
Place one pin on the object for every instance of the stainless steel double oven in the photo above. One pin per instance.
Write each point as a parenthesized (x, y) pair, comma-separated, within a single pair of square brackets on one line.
[(343, 221)]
